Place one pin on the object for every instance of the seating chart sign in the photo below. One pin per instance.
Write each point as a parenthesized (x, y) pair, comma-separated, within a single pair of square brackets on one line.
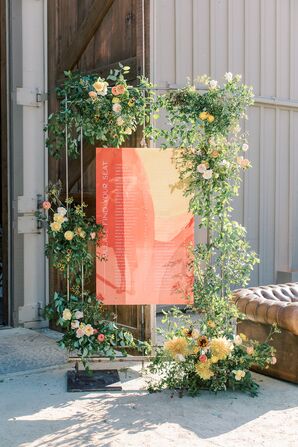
[(148, 229)]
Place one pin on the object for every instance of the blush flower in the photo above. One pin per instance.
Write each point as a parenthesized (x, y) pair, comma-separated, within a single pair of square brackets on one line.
[(117, 107), (80, 332), (238, 340), (93, 235), (92, 95), (101, 338), (207, 175), (75, 324), (115, 91), (250, 350), (79, 314), (46, 205), (120, 89)]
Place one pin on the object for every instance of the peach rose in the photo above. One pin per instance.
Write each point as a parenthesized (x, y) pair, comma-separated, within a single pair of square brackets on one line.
[(80, 332), (46, 205), (250, 350), (115, 91), (120, 89), (92, 95)]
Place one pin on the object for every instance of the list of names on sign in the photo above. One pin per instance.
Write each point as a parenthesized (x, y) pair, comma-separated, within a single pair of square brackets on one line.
[(148, 230)]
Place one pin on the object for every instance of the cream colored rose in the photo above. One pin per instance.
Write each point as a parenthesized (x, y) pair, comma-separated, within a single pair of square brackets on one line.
[(79, 314), (66, 315), (101, 87), (128, 131), (213, 84), (88, 330), (69, 235), (239, 374), (228, 76), (75, 324), (120, 121), (245, 147), (55, 226), (58, 218), (61, 210)]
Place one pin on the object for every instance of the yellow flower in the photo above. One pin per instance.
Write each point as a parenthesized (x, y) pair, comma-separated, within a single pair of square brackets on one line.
[(115, 100), (221, 347), (203, 116), (58, 218), (69, 235), (81, 233), (210, 118), (55, 226), (177, 345), (239, 374), (214, 359), (131, 102), (204, 370), (66, 315), (243, 336), (88, 330), (211, 324)]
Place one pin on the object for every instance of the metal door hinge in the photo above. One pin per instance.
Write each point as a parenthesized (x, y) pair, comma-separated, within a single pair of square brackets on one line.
[(30, 97)]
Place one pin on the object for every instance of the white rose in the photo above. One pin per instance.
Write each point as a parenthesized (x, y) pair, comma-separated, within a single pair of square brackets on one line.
[(61, 210), (79, 314), (207, 174), (245, 147), (229, 76), (213, 84), (117, 107), (180, 357), (128, 131), (75, 324)]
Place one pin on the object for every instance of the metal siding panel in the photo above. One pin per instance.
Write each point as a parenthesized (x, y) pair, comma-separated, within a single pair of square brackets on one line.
[(165, 48), (184, 41), (252, 187), (219, 37), (201, 37), (267, 197), (282, 191), (268, 54)]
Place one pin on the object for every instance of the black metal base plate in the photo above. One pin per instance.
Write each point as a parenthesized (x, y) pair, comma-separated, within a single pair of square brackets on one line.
[(99, 380)]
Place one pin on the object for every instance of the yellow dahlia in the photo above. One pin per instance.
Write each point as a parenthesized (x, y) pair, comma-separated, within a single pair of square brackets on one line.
[(204, 370), (221, 347), (177, 345)]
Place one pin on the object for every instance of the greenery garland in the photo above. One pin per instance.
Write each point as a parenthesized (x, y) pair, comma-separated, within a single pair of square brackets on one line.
[(210, 155)]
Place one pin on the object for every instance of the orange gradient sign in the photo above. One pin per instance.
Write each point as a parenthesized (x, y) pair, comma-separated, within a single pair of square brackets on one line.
[(148, 229)]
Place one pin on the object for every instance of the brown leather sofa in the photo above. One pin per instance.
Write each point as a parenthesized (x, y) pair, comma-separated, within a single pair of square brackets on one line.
[(264, 306)]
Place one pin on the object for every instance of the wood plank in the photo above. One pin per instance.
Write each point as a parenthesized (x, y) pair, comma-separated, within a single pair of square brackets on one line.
[(84, 34)]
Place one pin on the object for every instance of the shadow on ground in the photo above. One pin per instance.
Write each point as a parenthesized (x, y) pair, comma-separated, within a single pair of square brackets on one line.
[(37, 412)]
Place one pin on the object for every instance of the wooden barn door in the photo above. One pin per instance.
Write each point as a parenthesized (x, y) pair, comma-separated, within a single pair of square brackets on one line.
[(94, 36)]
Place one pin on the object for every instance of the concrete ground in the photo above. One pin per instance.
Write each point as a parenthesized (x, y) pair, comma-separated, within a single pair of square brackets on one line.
[(37, 411)]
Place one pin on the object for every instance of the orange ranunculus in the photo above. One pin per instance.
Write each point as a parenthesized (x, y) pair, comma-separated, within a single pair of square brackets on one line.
[(120, 89), (115, 90)]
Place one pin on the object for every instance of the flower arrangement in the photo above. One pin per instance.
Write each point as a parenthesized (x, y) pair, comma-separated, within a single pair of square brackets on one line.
[(192, 359), (108, 110), (203, 126), (72, 237), (89, 330)]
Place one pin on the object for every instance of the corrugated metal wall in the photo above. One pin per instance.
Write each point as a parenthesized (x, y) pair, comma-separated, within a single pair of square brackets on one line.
[(259, 39)]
